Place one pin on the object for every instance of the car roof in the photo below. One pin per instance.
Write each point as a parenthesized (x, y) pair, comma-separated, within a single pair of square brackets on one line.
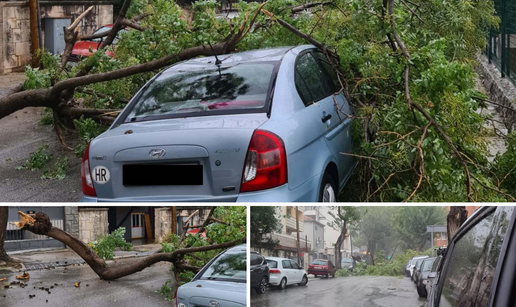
[(258, 55), (237, 249), (321, 259), (276, 258), (420, 257)]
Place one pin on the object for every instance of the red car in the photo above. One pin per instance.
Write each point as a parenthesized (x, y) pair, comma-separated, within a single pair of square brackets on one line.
[(82, 48), (321, 267)]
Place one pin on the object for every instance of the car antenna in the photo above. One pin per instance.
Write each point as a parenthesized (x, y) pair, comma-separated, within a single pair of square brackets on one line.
[(217, 61)]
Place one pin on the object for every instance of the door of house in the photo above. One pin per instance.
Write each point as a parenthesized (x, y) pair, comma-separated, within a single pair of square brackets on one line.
[(137, 225)]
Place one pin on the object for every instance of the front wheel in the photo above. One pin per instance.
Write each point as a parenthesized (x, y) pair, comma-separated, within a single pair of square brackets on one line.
[(328, 192), (283, 284), (263, 286), (304, 281)]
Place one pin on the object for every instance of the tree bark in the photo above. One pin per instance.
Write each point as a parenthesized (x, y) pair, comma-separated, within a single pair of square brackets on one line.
[(456, 217), (4, 214), (40, 224), (340, 240)]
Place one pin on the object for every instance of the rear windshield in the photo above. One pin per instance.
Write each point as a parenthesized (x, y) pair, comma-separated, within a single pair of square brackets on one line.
[(272, 264), (319, 262), (241, 88), (227, 267)]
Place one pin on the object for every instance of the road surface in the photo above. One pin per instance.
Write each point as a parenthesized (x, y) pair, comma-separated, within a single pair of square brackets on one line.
[(356, 291), (135, 290), (21, 135)]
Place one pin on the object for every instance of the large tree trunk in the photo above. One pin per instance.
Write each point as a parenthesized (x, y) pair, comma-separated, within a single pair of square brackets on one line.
[(4, 214), (456, 217), (40, 224), (340, 240)]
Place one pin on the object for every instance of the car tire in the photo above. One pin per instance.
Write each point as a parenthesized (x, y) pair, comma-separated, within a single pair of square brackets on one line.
[(262, 288), (283, 284), (328, 191), (304, 281), (420, 292)]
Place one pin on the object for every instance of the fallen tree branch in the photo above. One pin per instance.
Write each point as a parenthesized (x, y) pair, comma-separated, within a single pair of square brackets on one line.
[(39, 223)]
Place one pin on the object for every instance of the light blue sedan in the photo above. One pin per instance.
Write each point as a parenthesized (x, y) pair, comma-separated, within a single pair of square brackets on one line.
[(263, 125), (222, 282)]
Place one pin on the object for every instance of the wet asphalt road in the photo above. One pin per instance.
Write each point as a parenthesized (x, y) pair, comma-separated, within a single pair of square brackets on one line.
[(366, 291), (135, 290), (21, 135)]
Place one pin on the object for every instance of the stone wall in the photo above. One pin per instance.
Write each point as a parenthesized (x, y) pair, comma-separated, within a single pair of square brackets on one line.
[(500, 90), (93, 222), (15, 26), (72, 220), (163, 220)]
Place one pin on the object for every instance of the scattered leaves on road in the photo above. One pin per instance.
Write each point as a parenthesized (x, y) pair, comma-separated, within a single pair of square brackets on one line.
[(77, 284), (23, 276)]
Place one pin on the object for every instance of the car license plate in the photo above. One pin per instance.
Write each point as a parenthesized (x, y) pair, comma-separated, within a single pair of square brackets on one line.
[(147, 175)]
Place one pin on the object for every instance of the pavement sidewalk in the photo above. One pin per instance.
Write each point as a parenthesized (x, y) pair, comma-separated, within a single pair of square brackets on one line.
[(48, 259)]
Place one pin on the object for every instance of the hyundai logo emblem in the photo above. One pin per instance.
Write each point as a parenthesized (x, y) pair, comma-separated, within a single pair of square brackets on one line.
[(157, 153), (214, 303)]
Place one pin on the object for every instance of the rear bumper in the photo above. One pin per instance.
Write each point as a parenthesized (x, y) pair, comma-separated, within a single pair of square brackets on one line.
[(275, 279), (318, 272), (307, 192)]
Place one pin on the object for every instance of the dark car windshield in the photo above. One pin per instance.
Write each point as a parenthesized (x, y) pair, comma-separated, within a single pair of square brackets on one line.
[(427, 265), (210, 90), (228, 267), (319, 262)]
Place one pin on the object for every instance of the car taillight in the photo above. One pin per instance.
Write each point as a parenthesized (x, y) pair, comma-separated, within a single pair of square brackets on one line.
[(274, 272), (265, 163), (174, 301), (87, 181)]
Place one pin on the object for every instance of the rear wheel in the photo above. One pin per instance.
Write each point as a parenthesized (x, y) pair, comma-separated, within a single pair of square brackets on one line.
[(421, 292), (283, 284), (304, 281), (328, 192), (262, 288)]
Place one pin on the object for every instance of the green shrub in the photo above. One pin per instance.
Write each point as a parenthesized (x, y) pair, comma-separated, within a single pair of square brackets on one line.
[(105, 247), (37, 159)]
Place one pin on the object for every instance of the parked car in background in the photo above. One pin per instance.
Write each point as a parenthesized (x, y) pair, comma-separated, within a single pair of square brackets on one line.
[(408, 267), (284, 272), (479, 266), (86, 48), (347, 263), (261, 125), (259, 273), (423, 272), (433, 272), (416, 270), (414, 261), (322, 267), (222, 282)]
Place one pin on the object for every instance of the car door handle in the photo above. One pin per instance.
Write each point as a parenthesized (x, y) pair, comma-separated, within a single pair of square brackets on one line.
[(325, 118)]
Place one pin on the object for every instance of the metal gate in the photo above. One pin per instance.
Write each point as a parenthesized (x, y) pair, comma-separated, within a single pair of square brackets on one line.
[(17, 239)]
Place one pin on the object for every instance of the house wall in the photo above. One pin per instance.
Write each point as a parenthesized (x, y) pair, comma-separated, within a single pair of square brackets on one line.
[(15, 27), (93, 223), (71, 220)]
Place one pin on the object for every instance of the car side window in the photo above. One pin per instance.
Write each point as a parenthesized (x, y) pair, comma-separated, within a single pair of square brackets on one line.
[(255, 259), (310, 80), (472, 264), (286, 264), (330, 72), (294, 264)]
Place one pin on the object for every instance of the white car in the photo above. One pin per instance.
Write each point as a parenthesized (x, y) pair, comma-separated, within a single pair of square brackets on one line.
[(285, 272), (413, 264)]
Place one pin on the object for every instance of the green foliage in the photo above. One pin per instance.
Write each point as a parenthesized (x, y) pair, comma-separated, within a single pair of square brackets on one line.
[(47, 118), (263, 221), (167, 291), (105, 247), (88, 129), (505, 166), (37, 159), (234, 227), (410, 223), (59, 171), (36, 78)]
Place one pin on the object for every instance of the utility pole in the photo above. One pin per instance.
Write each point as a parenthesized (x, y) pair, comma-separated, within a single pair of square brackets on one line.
[(350, 243), (298, 243), (34, 32), (174, 230)]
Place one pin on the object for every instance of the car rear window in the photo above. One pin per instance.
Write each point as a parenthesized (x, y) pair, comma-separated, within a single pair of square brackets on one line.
[(272, 264), (318, 262), (241, 88), (228, 267)]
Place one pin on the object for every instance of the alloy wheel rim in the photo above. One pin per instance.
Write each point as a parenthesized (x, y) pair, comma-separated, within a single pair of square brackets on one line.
[(264, 285), (328, 194)]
